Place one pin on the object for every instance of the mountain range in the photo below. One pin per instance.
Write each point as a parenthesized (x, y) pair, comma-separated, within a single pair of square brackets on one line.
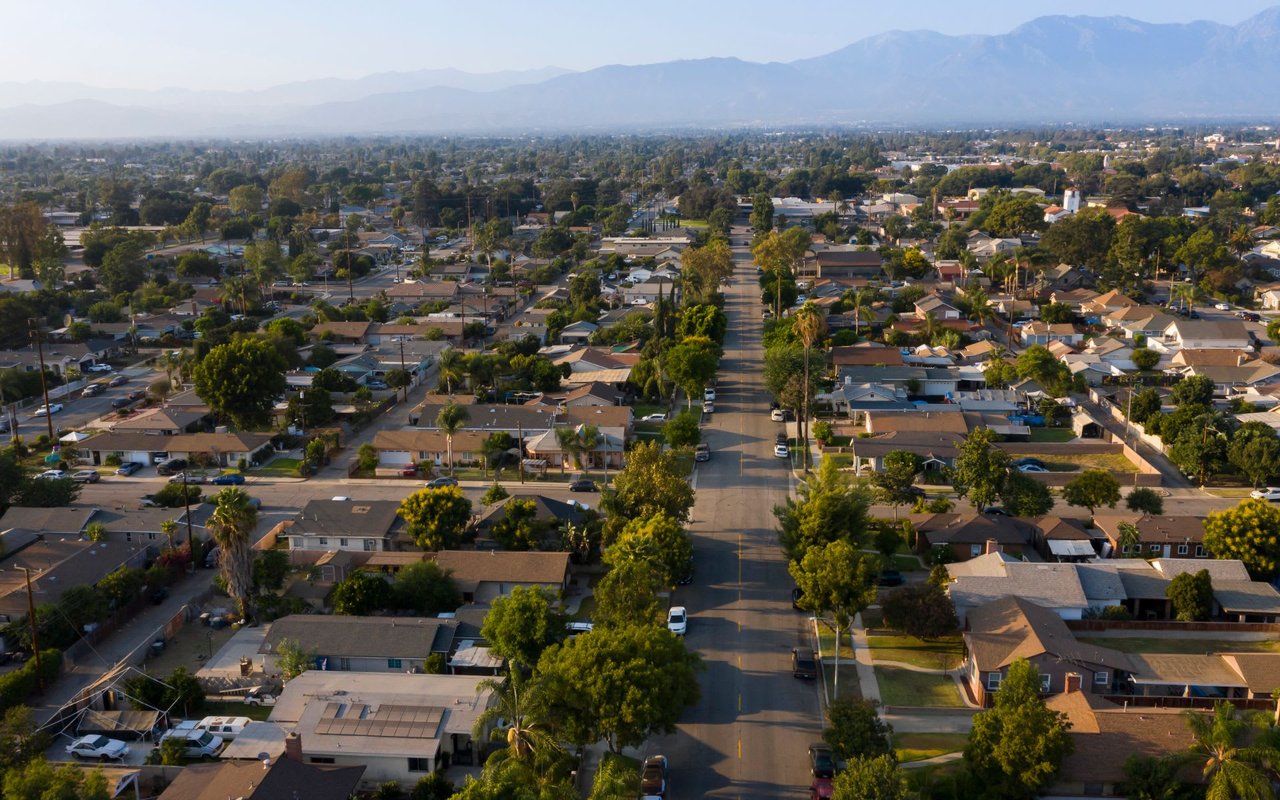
[(1054, 69)]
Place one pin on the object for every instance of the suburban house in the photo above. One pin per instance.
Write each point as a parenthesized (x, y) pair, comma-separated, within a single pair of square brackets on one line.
[(220, 449), (482, 576), (1203, 334), (359, 644), (1013, 628), (937, 449), (410, 446), (363, 525), (1227, 380), (864, 355), (161, 422), (608, 451), (546, 509), (843, 262), (971, 535), (399, 727), (1044, 333), (57, 563), (941, 309), (1158, 537), (270, 779)]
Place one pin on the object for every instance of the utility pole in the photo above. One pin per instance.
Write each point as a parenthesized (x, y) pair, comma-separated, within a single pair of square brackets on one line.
[(186, 501), (31, 618), (402, 369), (520, 448), (44, 384)]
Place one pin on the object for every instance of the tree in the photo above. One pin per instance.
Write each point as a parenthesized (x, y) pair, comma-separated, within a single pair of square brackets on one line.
[(433, 786), (451, 419), (808, 324), (878, 778), (921, 610), (233, 526), (1196, 390), (1146, 403), (628, 595), (829, 508), (425, 587), (691, 365), (837, 581), (658, 542), (361, 594), (896, 479), (652, 482), (1232, 769), (1024, 496), (1192, 595), (1016, 747), (855, 730), (1145, 359), (520, 528), (241, 380), (980, 469), (777, 253), (245, 199), (40, 780), (518, 702), (521, 625), (784, 374), (293, 659), (435, 518), (620, 684), (684, 429), (1250, 532), (20, 738), (1091, 489), (1255, 451), (762, 213), (1147, 501), (1148, 778), (704, 268)]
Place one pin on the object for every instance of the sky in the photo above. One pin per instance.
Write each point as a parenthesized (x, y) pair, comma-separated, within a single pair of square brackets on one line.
[(252, 44)]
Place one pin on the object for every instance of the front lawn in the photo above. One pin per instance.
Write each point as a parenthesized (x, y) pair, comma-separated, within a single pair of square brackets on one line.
[(1180, 646), (849, 686), (827, 644), (280, 466), (222, 709), (943, 653), (1052, 434), (902, 687), (1074, 462), (919, 746)]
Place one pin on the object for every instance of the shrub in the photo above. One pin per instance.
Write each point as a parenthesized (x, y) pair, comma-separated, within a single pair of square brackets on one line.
[(112, 460), (18, 685)]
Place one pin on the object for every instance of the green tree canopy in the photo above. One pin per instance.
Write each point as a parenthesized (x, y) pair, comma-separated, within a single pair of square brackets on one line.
[(241, 381), (980, 469), (878, 778), (628, 595), (1092, 489), (521, 625), (829, 507), (425, 587), (652, 482), (435, 518), (922, 610), (658, 542), (1250, 532), (1192, 595), (855, 730), (362, 593)]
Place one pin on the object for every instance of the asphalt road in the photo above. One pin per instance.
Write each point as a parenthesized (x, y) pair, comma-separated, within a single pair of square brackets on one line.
[(747, 737)]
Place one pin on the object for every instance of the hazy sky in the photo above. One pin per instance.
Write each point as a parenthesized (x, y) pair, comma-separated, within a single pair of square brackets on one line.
[(241, 44)]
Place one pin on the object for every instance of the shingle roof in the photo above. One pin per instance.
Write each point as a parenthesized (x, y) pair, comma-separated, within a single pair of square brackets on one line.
[(504, 567), (362, 637), (284, 779), (1010, 628), (1261, 671), (1246, 597), (346, 518)]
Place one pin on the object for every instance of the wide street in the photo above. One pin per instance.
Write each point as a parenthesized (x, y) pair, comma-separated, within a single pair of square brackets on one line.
[(747, 737)]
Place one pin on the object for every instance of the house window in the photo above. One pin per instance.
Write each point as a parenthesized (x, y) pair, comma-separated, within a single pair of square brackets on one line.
[(975, 550), (320, 760), (323, 541), (1046, 683), (393, 663), (151, 536), (993, 681), (1200, 552), (419, 765), (1128, 548), (1182, 549), (1155, 548), (368, 545), (128, 536), (342, 542), (1101, 678)]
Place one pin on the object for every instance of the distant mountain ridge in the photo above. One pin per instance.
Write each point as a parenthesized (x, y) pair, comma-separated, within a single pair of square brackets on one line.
[(1053, 69)]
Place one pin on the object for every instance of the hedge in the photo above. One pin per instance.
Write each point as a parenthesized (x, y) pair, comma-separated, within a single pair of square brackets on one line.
[(18, 685)]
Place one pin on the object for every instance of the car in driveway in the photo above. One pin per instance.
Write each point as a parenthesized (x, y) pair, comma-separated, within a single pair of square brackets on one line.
[(804, 663), (654, 418), (259, 697), (44, 411), (53, 474), (99, 368), (1022, 462), (1031, 468), (86, 476), (781, 451), (653, 777), (441, 482), (821, 762), (582, 485), (128, 468), (678, 620), (228, 479), (1270, 494), (98, 747)]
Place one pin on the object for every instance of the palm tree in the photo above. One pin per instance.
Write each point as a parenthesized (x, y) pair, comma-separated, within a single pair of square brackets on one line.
[(452, 368), (1232, 771), (515, 701), (567, 438), (1184, 292), (931, 326), (860, 300), (233, 524), (451, 419), (169, 528), (807, 323), (589, 438)]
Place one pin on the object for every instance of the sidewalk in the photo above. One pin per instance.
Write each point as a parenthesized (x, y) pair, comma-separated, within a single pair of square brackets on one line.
[(862, 657)]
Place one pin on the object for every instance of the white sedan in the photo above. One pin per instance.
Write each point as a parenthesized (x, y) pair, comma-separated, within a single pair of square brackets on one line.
[(678, 620), (654, 418), (1271, 493), (52, 408), (99, 747), (1222, 306)]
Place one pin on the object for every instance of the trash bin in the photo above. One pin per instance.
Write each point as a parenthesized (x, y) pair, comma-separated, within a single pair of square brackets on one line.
[(157, 647)]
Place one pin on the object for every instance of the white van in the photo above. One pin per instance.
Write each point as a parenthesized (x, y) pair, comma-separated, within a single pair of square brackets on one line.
[(200, 743), (226, 727)]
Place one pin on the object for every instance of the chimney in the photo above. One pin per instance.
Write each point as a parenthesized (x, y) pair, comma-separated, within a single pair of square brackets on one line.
[(992, 546), (1073, 682), (293, 746)]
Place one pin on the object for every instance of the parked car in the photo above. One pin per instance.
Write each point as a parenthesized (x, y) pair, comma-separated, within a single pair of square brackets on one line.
[(1271, 494), (996, 511), (53, 474), (226, 727), (678, 620), (437, 483), (703, 452), (228, 479), (44, 411), (653, 777), (709, 394), (119, 380), (98, 368), (86, 476), (171, 466), (822, 789), (1222, 306), (376, 385), (93, 390), (409, 471), (1031, 468), (781, 451), (776, 415), (1021, 462), (199, 744), (821, 764), (686, 577), (120, 402), (259, 697), (188, 478), (98, 747), (891, 577), (708, 407), (128, 468), (804, 663), (797, 594), (582, 485), (654, 418)]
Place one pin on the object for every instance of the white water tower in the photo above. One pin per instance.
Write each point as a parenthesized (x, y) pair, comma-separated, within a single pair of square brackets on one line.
[(1071, 200)]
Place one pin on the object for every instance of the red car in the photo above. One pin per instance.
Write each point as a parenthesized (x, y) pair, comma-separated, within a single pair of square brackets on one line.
[(409, 471), (821, 789)]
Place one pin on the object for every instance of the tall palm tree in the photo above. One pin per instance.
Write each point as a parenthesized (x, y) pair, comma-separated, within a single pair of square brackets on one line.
[(1184, 292), (452, 368), (515, 703), (451, 419), (1232, 770), (169, 528), (589, 438), (233, 524), (807, 324), (567, 438)]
